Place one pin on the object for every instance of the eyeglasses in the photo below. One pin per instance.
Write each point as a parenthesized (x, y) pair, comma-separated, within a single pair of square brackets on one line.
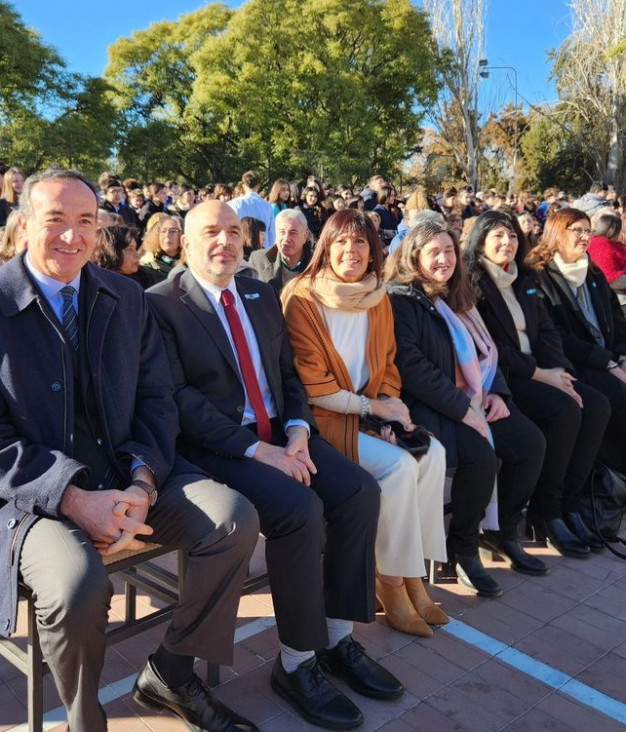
[(170, 231), (581, 233)]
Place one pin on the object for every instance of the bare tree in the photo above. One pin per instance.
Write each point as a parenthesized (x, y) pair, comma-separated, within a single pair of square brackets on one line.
[(591, 79), (458, 27)]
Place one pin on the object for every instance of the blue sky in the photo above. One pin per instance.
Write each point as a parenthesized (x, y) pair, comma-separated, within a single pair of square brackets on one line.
[(519, 34)]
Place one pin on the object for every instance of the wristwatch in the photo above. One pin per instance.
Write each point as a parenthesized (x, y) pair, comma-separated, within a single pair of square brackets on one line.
[(153, 493)]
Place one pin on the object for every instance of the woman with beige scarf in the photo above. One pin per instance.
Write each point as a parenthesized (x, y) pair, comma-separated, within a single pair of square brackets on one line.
[(589, 318), (341, 330)]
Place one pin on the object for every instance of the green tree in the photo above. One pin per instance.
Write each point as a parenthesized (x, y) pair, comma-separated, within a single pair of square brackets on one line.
[(554, 155), (46, 113), (152, 74), (285, 86), (30, 70)]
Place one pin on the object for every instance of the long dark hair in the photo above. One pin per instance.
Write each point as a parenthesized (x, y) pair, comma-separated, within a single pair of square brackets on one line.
[(475, 242), (349, 220), (403, 265)]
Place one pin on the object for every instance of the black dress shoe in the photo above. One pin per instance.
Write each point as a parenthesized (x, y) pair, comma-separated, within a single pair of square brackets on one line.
[(193, 703), (521, 561), (314, 697), (561, 538), (349, 661), (471, 573), (577, 526)]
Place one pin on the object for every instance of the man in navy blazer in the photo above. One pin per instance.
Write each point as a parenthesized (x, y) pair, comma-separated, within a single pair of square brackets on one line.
[(87, 463), (318, 510)]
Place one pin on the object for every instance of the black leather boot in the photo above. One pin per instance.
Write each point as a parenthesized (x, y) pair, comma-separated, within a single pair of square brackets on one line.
[(521, 561), (561, 538), (577, 526), (471, 573)]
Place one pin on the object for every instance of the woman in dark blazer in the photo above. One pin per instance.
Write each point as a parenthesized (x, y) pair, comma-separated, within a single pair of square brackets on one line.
[(589, 318), (571, 414), (426, 282)]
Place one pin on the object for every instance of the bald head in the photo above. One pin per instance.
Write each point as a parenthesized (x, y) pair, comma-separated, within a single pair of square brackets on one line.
[(213, 241), (207, 209)]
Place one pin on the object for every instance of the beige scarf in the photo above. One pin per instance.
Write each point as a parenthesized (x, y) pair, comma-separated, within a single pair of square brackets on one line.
[(334, 293)]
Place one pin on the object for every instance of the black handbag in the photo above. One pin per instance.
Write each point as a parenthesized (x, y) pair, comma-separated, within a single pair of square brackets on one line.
[(604, 504), (416, 442)]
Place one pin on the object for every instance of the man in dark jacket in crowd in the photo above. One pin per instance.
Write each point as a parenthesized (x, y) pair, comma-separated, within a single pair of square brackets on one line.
[(88, 467)]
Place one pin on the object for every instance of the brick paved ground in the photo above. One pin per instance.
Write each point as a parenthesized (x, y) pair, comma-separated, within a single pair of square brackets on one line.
[(573, 621)]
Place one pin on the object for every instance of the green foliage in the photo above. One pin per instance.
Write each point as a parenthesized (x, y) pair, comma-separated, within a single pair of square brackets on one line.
[(29, 69), (288, 87), (46, 113), (553, 156)]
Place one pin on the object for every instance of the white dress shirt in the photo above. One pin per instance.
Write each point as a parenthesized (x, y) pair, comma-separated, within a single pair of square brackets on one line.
[(51, 289), (214, 293)]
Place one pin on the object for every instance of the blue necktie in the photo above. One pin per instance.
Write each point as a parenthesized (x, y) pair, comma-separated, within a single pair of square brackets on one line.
[(70, 318)]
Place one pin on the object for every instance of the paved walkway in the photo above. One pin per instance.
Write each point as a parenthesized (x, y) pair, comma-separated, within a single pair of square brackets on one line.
[(550, 654)]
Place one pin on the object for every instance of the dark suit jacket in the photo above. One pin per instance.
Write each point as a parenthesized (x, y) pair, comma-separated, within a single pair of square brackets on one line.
[(125, 363), (426, 361), (545, 341), (268, 266), (208, 387), (578, 342)]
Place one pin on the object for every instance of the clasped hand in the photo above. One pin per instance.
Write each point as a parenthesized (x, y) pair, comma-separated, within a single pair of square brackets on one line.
[(293, 459), (112, 519)]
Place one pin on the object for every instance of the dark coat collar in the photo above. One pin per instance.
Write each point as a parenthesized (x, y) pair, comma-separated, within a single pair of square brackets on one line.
[(18, 291)]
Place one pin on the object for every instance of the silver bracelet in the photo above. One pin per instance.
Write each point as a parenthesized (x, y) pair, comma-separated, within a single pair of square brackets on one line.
[(366, 406)]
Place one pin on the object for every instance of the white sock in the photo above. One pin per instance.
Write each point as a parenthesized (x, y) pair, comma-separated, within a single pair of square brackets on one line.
[(291, 659), (337, 630)]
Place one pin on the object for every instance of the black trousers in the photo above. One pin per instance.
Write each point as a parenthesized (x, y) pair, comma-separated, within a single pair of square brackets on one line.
[(520, 447), (613, 448), (573, 438), (336, 518)]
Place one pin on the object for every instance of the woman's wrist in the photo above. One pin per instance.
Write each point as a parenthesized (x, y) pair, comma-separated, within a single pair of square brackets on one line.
[(366, 406)]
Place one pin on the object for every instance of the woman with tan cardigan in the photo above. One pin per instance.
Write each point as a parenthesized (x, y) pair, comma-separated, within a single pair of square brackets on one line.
[(341, 330)]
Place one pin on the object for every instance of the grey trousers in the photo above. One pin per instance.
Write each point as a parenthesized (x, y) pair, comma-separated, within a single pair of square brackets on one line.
[(217, 527)]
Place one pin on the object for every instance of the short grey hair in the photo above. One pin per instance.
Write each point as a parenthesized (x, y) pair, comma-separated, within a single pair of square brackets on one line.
[(51, 173), (607, 224), (293, 214)]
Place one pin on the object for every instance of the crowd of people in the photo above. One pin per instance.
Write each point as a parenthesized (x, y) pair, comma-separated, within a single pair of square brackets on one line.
[(313, 364)]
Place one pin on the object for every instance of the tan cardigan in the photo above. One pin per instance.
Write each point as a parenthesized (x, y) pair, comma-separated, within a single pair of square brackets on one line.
[(323, 371)]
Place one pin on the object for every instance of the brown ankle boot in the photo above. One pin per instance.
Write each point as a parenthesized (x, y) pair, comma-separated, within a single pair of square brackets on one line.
[(429, 611), (399, 611)]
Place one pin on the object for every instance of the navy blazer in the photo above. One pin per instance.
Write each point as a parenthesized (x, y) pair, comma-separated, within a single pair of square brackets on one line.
[(578, 342), (208, 387), (426, 361), (122, 356), (544, 338)]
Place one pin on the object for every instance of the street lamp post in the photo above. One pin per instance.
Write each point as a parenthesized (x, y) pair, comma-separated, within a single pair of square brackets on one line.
[(484, 73)]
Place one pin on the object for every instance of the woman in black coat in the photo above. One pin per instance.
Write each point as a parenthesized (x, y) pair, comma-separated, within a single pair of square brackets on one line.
[(589, 318), (426, 282), (571, 414)]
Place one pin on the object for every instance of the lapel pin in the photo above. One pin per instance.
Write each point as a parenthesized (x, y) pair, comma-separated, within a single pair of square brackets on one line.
[(251, 295)]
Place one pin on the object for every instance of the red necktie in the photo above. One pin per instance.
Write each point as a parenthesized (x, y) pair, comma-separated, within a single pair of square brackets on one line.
[(264, 428)]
